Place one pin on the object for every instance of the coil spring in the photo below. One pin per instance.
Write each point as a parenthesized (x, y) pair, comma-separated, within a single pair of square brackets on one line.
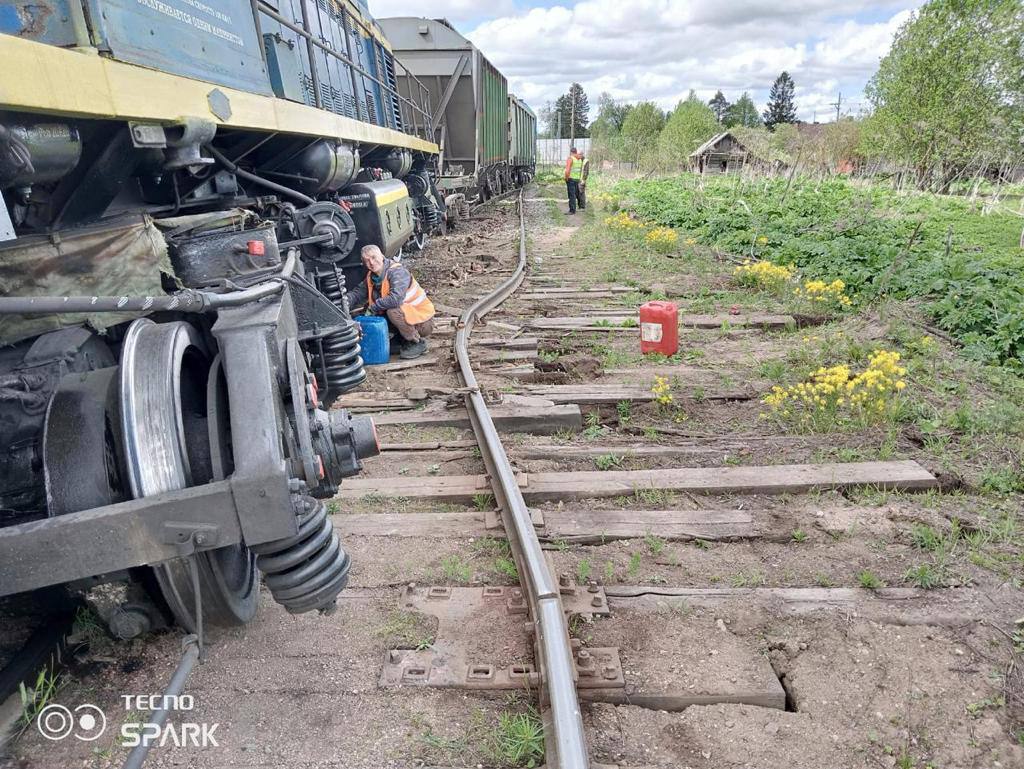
[(340, 359), (431, 217), (307, 571)]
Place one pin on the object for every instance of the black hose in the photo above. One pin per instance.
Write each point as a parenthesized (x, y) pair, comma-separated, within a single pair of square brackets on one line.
[(233, 168), (159, 716)]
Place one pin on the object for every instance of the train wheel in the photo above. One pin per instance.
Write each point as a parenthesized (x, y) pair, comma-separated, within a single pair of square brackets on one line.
[(174, 426)]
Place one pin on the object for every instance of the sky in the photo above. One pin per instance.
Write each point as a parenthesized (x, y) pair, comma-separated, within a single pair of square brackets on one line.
[(660, 49)]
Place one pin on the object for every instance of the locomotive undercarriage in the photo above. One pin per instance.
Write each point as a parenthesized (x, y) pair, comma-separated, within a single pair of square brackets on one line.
[(181, 440)]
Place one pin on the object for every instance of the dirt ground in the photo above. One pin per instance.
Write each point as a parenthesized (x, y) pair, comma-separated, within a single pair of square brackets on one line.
[(906, 652)]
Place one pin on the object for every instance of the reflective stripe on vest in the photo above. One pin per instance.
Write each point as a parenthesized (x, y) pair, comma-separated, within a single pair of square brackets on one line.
[(416, 306), (576, 169)]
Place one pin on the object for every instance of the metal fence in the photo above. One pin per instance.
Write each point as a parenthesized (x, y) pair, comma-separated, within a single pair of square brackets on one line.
[(553, 152)]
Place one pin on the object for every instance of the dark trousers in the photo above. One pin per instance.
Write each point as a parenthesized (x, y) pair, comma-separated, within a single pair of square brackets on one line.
[(572, 186), (406, 330)]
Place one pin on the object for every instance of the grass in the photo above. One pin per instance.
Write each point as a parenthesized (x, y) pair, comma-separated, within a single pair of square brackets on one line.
[(518, 740), (799, 535), (34, 699), (633, 568), (499, 551), (483, 502), (455, 569), (583, 570), (926, 576), (607, 461), (869, 580), (406, 630), (655, 545)]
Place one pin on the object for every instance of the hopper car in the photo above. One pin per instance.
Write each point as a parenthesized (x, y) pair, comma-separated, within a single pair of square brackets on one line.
[(487, 137)]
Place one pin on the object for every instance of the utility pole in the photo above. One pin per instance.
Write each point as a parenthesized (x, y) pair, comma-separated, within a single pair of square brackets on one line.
[(838, 104)]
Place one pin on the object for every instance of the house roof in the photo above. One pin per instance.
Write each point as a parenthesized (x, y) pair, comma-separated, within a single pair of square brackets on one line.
[(710, 143)]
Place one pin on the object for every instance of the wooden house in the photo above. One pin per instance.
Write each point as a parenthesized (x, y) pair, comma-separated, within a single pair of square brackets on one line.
[(721, 154)]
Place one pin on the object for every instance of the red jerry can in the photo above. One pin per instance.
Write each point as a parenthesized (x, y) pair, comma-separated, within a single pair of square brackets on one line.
[(659, 328)]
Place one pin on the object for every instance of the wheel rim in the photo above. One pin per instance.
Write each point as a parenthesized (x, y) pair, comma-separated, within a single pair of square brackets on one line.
[(170, 396)]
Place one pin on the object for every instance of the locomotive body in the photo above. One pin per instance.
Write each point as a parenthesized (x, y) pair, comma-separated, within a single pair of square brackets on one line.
[(183, 192)]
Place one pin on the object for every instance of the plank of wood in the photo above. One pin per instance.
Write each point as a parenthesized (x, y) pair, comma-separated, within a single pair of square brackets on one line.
[(598, 526), (554, 295), (953, 607), (402, 365), (614, 322), (427, 446), (772, 479), (557, 451), (448, 488), (576, 526), (468, 524), (539, 420), (505, 343), (771, 696), (594, 394), (600, 288), (498, 356)]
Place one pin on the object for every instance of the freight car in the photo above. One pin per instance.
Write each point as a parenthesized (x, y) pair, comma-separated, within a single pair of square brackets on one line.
[(487, 136), (184, 188)]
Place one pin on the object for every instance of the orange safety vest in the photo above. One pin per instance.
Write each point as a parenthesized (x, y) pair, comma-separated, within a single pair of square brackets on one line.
[(416, 306)]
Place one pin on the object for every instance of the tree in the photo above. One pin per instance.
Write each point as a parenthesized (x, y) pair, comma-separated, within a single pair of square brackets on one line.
[(949, 95), (742, 113), (691, 124), (720, 106), (572, 112), (640, 131), (606, 130), (781, 105), (610, 116)]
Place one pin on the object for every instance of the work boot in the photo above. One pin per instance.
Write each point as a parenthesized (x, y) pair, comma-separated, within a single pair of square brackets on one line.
[(413, 350)]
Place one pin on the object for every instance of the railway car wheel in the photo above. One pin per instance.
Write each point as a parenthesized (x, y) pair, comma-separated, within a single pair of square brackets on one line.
[(173, 421)]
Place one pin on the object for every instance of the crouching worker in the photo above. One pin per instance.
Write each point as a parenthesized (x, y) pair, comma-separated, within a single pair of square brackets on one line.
[(390, 290)]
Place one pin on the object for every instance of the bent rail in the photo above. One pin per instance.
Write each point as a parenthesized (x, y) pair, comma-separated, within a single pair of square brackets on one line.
[(542, 591)]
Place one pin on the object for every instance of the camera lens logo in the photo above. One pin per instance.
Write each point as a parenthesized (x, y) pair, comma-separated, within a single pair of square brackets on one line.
[(56, 722)]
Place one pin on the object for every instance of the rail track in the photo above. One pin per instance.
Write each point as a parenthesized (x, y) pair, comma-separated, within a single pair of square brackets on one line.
[(664, 584)]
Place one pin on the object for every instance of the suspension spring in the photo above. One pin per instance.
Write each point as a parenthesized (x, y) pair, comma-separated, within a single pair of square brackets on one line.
[(307, 571), (339, 358)]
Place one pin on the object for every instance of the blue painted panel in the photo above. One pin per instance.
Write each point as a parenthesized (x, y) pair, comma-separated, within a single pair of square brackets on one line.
[(45, 21), (186, 37)]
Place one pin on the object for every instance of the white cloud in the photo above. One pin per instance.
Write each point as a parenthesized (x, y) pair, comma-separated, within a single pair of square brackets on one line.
[(660, 49)]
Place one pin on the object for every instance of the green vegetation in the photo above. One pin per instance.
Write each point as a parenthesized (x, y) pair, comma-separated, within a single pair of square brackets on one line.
[(963, 260), (519, 740), (455, 569), (870, 580), (35, 698), (407, 630)]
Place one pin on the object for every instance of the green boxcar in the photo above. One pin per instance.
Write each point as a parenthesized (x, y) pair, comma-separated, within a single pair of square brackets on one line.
[(473, 120), (522, 155)]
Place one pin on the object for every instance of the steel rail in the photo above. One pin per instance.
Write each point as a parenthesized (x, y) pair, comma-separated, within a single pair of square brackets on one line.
[(542, 590)]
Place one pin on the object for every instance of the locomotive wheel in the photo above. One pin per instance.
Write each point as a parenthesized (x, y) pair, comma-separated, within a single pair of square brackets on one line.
[(173, 420)]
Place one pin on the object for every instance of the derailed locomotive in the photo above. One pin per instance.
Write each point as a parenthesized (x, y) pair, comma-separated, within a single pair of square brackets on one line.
[(183, 193)]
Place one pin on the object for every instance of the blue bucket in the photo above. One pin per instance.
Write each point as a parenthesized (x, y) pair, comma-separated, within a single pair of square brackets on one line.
[(376, 342)]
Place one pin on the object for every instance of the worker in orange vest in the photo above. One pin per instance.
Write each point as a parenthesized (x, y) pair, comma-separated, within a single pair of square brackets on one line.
[(391, 290), (575, 166)]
